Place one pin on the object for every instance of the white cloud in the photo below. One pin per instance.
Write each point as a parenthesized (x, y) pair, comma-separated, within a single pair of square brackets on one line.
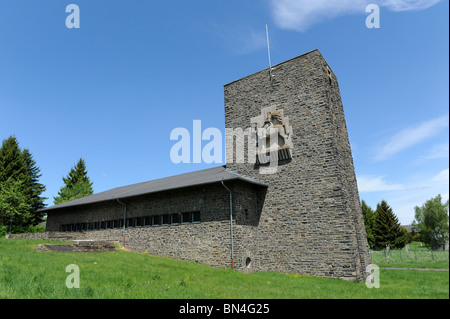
[(376, 184), (410, 137), (237, 39), (418, 193), (436, 152), (408, 5), (404, 197), (441, 178), (299, 15)]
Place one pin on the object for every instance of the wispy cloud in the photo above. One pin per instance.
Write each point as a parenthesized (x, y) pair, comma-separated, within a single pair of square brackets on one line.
[(376, 184), (418, 192), (405, 196), (436, 152), (408, 5), (410, 137), (237, 39), (299, 15), (441, 178)]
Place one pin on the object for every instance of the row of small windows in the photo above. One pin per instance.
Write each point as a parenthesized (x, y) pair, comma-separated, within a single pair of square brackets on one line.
[(147, 221)]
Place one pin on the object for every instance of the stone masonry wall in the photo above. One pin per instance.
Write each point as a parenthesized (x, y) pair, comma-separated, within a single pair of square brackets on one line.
[(311, 220), (206, 242)]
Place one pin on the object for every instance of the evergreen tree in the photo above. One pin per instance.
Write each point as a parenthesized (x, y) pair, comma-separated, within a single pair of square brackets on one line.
[(34, 189), (369, 220), (12, 163), (387, 229), (20, 189), (76, 185)]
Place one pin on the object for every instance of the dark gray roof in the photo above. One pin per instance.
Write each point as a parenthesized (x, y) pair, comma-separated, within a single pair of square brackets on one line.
[(207, 176)]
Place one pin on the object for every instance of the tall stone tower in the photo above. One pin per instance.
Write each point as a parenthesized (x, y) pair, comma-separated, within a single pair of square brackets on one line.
[(310, 220)]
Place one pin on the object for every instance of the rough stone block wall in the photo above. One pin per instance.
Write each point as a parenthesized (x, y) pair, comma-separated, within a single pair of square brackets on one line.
[(311, 221)]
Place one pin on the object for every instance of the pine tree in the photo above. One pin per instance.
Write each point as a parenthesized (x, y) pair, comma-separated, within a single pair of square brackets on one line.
[(387, 229), (369, 220), (20, 190), (34, 188), (12, 163), (76, 185)]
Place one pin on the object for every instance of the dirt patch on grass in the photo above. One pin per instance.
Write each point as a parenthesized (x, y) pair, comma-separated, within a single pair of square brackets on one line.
[(88, 246)]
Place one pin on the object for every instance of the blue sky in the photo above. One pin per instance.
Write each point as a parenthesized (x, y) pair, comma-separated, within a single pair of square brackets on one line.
[(113, 90)]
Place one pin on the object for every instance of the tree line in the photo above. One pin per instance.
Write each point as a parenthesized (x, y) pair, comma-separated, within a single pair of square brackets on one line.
[(21, 199), (430, 225)]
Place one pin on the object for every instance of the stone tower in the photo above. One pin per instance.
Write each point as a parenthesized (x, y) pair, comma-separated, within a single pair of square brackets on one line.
[(309, 220)]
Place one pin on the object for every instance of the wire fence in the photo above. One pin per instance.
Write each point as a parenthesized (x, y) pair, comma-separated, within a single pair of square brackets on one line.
[(411, 254)]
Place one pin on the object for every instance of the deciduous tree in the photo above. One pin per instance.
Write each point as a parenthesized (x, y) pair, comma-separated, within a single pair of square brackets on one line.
[(431, 220)]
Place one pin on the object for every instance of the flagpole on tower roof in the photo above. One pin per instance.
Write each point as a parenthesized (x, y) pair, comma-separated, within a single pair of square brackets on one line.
[(268, 51)]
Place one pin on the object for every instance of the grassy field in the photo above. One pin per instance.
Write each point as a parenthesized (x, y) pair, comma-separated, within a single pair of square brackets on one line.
[(27, 273)]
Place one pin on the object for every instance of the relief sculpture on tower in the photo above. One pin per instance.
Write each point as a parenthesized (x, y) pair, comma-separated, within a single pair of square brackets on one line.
[(273, 135)]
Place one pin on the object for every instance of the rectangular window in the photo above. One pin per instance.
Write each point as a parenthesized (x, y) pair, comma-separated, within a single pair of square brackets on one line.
[(175, 218), (185, 218), (196, 217), (138, 222), (156, 221), (165, 219), (96, 225), (130, 222), (147, 221)]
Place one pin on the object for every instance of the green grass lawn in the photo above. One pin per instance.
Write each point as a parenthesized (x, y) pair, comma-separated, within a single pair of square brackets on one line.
[(27, 273)]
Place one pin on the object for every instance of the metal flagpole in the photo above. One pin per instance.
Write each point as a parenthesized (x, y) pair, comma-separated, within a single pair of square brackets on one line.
[(268, 51)]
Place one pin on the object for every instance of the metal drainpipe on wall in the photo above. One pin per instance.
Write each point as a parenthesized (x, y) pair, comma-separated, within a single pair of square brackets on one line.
[(124, 221), (231, 225)]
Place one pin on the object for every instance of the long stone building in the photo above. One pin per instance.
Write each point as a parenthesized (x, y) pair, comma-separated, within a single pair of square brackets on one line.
[(287, 201)]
